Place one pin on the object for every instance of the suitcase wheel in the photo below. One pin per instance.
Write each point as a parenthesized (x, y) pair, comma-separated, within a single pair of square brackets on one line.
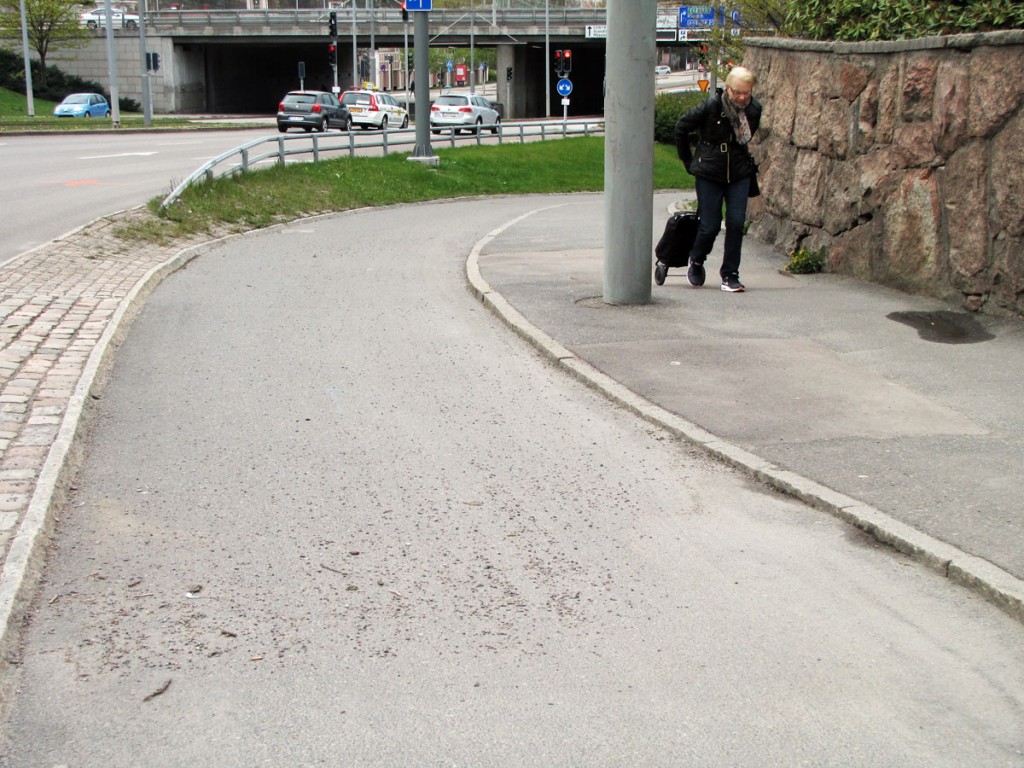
[(660, 270)]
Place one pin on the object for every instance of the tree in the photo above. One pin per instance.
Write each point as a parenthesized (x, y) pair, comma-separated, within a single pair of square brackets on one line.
[(51, 24), (757, 18)]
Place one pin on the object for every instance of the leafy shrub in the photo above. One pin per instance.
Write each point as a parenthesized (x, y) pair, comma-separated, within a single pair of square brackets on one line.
[(668, 108), (804, 261), (857, 20), (58, 83)]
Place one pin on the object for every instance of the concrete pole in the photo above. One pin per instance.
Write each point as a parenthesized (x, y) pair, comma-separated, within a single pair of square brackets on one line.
[(29, 97), (422, 152), (115, 96), (147, 94), (547, 58), (355, 50), (373, 49), (629, 151)]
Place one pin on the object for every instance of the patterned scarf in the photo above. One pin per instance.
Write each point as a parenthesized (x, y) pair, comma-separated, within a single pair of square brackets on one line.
[(738, 117)]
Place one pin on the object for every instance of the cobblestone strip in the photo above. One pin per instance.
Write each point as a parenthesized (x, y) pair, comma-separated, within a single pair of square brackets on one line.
[(56, 305)]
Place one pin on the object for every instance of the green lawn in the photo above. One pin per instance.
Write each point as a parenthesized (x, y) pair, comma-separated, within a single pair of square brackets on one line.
[(14, 117), (14, 105), (261, 198)]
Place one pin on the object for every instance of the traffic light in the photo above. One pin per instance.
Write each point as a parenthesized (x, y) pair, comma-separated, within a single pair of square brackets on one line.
[(405, 13), (156, 62), (332, 55), (566, 61), (508, 73), (332, 24), (558, 62)]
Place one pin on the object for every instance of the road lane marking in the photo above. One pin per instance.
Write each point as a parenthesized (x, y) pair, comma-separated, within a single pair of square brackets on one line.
[(122, 154)]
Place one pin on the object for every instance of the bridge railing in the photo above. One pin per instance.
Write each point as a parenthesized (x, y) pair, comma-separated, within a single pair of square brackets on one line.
[(236, 13), (276, 150)]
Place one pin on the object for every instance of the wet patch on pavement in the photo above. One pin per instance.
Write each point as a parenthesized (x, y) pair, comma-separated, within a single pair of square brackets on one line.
[(944, 327)]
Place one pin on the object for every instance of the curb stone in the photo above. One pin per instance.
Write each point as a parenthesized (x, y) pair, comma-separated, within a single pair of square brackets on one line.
[(982, 577)]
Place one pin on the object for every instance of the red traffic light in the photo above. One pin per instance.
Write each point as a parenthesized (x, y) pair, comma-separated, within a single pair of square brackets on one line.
[(567, 60)]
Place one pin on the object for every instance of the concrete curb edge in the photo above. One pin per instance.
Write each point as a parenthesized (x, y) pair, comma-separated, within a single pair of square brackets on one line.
[(23, 565), (984, 578)]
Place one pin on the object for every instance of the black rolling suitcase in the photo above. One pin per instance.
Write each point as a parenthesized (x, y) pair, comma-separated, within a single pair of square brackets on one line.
[(673, 249)]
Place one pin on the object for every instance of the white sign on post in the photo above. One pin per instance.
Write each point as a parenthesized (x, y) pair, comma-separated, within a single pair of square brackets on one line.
[(596, 31)]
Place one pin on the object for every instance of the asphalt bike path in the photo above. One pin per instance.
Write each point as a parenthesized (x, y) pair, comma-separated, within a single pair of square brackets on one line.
[(331, 508)]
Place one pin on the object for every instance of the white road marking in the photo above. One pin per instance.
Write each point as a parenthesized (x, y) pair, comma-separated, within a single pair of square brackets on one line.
[(122, 154)]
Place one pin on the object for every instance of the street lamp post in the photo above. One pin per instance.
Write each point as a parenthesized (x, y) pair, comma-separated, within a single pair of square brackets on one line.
[(28, 61), (115, 98), (547, 58)]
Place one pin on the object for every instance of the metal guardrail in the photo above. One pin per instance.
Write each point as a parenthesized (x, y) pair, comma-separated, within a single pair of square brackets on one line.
[(277, 149)]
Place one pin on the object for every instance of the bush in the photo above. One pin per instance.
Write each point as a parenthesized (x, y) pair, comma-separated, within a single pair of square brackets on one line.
[(668, 108), (58, 83)]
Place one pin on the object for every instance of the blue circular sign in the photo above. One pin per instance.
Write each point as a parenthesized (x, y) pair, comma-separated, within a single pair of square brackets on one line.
[(564, 86)]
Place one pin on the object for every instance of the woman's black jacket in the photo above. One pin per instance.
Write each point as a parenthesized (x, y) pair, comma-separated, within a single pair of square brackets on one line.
[(718, 156)]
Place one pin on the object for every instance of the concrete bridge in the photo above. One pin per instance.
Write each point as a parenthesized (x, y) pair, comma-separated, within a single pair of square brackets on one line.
[(241, 60)]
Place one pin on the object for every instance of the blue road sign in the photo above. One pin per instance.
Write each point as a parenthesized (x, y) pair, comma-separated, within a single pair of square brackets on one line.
[(417, 5), (696, 17), (449, 65), (564, 87)]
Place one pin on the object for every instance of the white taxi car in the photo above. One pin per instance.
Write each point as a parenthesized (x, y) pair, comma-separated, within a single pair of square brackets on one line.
[(375, 109)]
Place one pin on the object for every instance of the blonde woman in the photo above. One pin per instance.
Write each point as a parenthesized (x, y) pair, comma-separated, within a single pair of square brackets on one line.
[(723, 169)]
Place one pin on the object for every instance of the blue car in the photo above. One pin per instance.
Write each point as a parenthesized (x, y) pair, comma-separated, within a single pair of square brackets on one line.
[(83, 105)]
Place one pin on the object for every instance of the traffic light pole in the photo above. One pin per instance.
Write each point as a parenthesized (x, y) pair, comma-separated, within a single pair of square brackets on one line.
[(332, 30), (334, 65)]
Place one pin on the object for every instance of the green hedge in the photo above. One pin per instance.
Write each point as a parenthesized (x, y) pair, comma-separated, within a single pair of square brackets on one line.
[(859, 20), (668, 108)]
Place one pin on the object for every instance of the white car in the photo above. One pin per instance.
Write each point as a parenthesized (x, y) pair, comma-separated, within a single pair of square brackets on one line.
[(458, 111), (375, 109), (97, 19), (663, 70)]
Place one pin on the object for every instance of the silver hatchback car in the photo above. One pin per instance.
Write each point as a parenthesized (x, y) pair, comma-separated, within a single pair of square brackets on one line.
[(463, 111)]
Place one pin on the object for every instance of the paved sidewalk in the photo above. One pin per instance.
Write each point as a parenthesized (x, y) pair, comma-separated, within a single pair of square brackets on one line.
[(61, 308), (818, 385)]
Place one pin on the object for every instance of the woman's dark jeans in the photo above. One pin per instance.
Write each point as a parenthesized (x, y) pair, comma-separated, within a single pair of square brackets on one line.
[(710, 196)]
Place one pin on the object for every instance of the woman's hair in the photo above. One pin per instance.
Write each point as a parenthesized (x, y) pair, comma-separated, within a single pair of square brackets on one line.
[(742, 74)]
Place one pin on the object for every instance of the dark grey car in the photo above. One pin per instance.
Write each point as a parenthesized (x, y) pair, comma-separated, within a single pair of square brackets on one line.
[(311, 110)]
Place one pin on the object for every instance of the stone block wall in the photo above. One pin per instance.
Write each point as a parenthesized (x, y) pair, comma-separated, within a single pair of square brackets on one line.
[(903, 160)]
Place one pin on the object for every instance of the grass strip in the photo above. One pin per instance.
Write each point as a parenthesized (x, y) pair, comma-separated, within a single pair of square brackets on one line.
[(269, 196)]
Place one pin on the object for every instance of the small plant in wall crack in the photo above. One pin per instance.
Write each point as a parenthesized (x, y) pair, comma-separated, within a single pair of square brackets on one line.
[(806, 261)]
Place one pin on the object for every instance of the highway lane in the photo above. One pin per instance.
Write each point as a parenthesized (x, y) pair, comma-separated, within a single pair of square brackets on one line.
[(57, 182)]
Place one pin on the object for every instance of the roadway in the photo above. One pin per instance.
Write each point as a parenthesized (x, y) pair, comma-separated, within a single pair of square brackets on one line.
[(57, 182)]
